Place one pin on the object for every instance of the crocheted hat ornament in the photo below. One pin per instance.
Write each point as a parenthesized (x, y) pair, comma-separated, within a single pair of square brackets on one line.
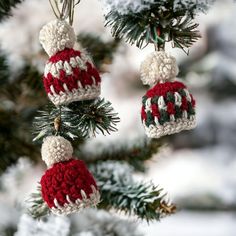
[(67, 186), (168, 107), (69, 74)]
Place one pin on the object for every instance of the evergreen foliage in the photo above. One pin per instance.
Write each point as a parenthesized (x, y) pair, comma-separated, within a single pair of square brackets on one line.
[(38, 208), (120, 192), (158, 22), (19, 94), (6, 6), (81, 119)]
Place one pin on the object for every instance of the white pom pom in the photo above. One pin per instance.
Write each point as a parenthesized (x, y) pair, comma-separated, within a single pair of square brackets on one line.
[(56, 36), (159, 66), (56, 149)]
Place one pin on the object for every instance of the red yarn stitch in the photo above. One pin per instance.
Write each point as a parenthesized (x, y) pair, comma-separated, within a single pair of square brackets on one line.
[(71, 81), (84, 76), (162, 89), (155, 111), (64, 55), (184, 106), (170, 108), (47, 83), (66, 178)]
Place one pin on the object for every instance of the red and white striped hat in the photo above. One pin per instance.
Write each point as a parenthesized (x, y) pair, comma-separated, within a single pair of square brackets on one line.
[(69, 74)]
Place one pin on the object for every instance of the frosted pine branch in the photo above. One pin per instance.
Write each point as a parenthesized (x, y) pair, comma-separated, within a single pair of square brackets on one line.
[(120, 192), (135, 6)]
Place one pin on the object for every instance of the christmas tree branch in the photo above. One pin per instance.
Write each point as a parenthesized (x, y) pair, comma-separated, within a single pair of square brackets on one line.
[(135, 155), (78, 120), (120, 192), (158, 22), (143, 200), (37, 206)]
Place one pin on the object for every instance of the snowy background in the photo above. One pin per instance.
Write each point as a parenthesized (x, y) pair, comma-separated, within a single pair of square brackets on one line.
[(197, 168)]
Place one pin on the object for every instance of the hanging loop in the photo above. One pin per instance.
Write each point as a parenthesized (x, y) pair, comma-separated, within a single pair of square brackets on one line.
[(64, 9)]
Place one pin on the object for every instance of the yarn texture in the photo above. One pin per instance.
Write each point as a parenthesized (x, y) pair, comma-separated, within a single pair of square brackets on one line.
[(56, 149), (71, 76), (56, 36), (159, 66), (168, 108), (68, 187)]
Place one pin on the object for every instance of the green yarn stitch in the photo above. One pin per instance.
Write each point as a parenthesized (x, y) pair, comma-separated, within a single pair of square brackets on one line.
[(182, 92), (144, 99), (164, 117), (170, 97), (150, 119), (155, 100), (191, 110), (178, 112)]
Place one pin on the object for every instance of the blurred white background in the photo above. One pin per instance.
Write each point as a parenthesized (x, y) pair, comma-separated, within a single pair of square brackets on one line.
[(197, 168)]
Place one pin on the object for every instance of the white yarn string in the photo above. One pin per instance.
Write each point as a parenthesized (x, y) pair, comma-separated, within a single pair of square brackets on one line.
[(64, 9)]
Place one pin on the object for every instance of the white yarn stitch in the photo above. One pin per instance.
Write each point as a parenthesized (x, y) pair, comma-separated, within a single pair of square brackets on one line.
[(170, 127), (161, 103), (148, 105), (75, 62), (56, 149), (67, 66), (56, 36), (178, 99), (70, 207), (158, 66), (91, 92)]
